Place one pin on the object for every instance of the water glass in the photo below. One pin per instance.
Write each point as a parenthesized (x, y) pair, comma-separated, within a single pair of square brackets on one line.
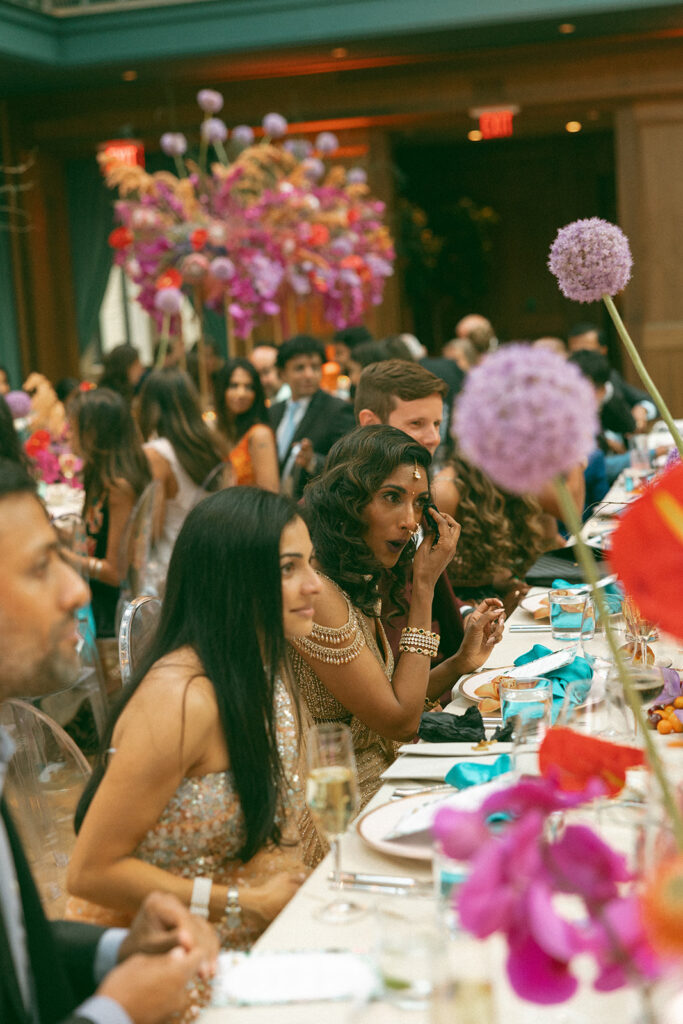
[(410, 955), (567, 614), (639, 454), (448, 875), (531, 700)]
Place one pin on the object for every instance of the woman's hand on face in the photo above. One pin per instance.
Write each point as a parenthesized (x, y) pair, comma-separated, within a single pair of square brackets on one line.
[(435, 552), (483, 630)]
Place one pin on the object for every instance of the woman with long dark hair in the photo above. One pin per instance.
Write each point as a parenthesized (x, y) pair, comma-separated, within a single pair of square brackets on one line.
[(115, 473), (242, 417), (363, 513), (207, 735), (181, 449)]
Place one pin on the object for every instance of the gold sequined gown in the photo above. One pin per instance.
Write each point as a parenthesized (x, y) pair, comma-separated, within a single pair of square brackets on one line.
[(201, 831), (373, 752)]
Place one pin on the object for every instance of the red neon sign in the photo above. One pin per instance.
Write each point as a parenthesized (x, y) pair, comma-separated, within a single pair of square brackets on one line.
[(121, 151), (495, 124)]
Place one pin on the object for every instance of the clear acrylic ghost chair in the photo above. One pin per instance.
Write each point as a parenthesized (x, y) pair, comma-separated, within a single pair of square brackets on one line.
[(44, 781), (139, 570), (138, 625), (220, 477), (73, 537)]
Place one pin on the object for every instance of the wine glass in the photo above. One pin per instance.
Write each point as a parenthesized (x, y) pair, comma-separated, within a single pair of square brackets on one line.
[(332, 797), (599, 710), (647, 683)]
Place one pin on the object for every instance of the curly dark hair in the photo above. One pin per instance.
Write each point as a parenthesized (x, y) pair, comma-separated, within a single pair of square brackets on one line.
[(500, 531), (355, 469)]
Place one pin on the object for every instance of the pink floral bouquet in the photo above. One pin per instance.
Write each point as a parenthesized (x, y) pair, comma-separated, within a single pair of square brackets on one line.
[(252, 236), (51, 460)]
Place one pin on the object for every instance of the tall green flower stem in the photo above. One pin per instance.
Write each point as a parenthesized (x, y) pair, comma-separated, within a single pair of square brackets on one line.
[(642, 372), (590, 572)]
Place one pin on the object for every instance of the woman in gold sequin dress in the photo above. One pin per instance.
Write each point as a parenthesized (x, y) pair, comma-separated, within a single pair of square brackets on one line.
[(200, 772), (363, 513)]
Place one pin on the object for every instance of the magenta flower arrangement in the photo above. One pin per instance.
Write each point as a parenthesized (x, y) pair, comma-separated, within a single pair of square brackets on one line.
[(525, 416), (517, 871), (254, 233), (51, 460)]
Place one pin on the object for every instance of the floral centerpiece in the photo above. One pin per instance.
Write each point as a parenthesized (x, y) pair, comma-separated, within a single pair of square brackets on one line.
[(253, 235), (51, 460), (517, 871)]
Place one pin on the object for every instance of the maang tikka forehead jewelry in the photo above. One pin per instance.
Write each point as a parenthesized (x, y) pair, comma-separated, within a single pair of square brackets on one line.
[(416, 471)]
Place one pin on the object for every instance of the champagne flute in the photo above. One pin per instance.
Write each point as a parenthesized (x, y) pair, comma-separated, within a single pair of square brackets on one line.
[(332, 797)]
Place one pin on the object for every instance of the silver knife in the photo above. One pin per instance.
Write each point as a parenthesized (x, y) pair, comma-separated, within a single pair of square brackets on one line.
[(536, 628)]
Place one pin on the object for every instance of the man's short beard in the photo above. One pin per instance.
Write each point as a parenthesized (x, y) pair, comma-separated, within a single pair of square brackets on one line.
[(22, 677)]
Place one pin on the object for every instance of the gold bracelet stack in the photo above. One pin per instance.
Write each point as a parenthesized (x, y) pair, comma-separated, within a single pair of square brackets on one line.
[(419, 641)]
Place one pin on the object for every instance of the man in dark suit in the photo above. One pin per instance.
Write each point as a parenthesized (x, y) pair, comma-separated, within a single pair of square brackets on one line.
[(307, 424), (48, 969)]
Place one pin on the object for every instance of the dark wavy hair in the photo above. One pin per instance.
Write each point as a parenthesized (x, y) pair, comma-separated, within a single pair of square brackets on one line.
[(224, 600), (169, 407), (110, 443), (500, 531), (235, 427), (355, 469), (115, 367)]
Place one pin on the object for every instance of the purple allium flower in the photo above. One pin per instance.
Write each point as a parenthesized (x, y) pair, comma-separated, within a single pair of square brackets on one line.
[(222, 268), (356, 176), (168, 301), (210, 101), (590, 258), (214, 130), (524, 416), (274, 125), (299, 148), (327, 142), (19, 404), (173, 143), (313, 168), (243, 135)]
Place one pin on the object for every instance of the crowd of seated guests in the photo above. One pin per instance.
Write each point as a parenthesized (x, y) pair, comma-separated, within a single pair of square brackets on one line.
[(277, 615)]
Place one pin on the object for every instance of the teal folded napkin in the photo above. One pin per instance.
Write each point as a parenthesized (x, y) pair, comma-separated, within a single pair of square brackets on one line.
[(579, 668), (471, 773)]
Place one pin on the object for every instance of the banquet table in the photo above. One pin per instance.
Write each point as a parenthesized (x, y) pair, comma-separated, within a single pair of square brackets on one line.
[(296, 928)]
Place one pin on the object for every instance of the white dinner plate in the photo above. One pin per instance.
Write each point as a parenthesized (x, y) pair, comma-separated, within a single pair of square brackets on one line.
[(469, 684), (532, 602), (462, 751), (375, 825)]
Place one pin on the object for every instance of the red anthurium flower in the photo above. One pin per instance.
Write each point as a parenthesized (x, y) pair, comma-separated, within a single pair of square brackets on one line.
[(39, 441), (654, 524), (198, 238), (319, 235), (573, 759), (170, 278), (120, 238)]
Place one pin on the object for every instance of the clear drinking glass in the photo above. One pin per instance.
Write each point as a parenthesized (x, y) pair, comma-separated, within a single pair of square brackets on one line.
[(332, 796), (648, 684), (528, 703), (566, 613), (600, 712)]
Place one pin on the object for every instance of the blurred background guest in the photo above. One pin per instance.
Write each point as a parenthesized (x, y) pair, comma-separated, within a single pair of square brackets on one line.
[(122, 371), (181, 449), (115, 473), (264, 359), (242, 417)]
